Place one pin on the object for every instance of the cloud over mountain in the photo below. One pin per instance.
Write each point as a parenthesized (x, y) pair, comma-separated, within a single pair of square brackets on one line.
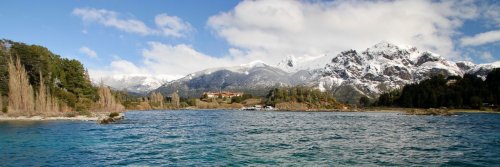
[(313, 28), (166, 25)]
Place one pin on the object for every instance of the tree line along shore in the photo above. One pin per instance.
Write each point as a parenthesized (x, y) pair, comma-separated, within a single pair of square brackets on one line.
[(36, 82), (454, 92)]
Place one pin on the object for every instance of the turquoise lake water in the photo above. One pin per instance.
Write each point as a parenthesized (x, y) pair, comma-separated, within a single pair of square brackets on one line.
[(251, 138)]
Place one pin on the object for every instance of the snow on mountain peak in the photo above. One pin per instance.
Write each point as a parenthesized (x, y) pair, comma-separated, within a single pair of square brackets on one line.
[(137, 83), (293, 64), (289, 61), (380, 68), (496, 64), (384, 46), (288, 64), (348, 75), (255, 63)]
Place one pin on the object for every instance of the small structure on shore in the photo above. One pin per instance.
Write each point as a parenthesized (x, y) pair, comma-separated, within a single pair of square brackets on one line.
[(259, 108)]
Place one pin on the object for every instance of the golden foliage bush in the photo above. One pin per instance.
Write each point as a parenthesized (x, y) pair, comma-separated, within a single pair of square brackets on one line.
[(47, 105), (252, 102), (21, 100), (1, 102), (206, 105), (107, 101), (176, 101), (292, 106), (231, 106), (156, 100)]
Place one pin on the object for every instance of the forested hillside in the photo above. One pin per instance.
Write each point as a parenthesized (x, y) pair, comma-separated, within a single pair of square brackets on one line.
[(301, 98), (468, 91), (65, 80)]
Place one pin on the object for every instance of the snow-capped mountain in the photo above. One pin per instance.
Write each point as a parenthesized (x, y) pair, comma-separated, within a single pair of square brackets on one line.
[(256, 78), (481, 70), (380, 68), (348, 75), (133, 83)]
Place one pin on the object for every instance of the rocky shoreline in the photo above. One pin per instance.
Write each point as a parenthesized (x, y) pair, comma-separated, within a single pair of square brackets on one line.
[(112, 117), (40, 118), (99, 118)]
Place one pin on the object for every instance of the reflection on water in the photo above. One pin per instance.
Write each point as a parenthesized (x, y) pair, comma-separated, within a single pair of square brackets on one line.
[(221, 138)]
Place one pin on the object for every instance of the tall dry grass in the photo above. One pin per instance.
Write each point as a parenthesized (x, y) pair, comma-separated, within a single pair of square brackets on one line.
[(107, 101), (46, 104), (176, 102), (157, 100), (292, 106), (21, 100), (1, 102), (206, 105)]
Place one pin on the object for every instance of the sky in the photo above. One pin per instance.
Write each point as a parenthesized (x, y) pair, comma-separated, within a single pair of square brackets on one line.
[(170, 38)]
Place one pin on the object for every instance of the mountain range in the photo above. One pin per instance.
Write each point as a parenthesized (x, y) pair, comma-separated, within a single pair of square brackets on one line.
[(349, 75)]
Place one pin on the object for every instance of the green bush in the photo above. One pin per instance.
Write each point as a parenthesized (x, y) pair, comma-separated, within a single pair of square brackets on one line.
[(84, 104), (113, 114)]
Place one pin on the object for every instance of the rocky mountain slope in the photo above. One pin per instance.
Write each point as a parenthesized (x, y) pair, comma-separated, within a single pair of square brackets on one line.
[(256, 78), (352, 74), (348, 75)]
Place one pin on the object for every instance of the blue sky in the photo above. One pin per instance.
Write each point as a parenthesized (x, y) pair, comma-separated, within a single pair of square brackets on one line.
[(173, 38)]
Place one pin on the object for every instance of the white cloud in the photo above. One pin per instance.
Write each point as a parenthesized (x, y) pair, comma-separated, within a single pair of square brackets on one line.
[(281, 28), (486, 56), (169, 26), (271, 30), (167, 61), (87, 51), (172, 25), (482, 38), (491, 12), (126, 67), (182, 59)]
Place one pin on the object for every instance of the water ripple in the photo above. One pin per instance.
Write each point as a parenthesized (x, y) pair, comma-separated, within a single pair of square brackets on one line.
[(238, 138)]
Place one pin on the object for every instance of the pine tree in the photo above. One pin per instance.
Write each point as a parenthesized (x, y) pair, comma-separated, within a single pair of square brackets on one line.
[(364, 101)]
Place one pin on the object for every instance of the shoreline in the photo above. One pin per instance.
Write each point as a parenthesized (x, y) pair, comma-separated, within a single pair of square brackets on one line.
[(368, 110), (40, 118), (457, 111)]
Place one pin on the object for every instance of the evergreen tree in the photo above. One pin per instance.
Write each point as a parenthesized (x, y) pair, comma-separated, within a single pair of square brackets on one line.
[(364, 101), (468, 91), (493, 83)]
